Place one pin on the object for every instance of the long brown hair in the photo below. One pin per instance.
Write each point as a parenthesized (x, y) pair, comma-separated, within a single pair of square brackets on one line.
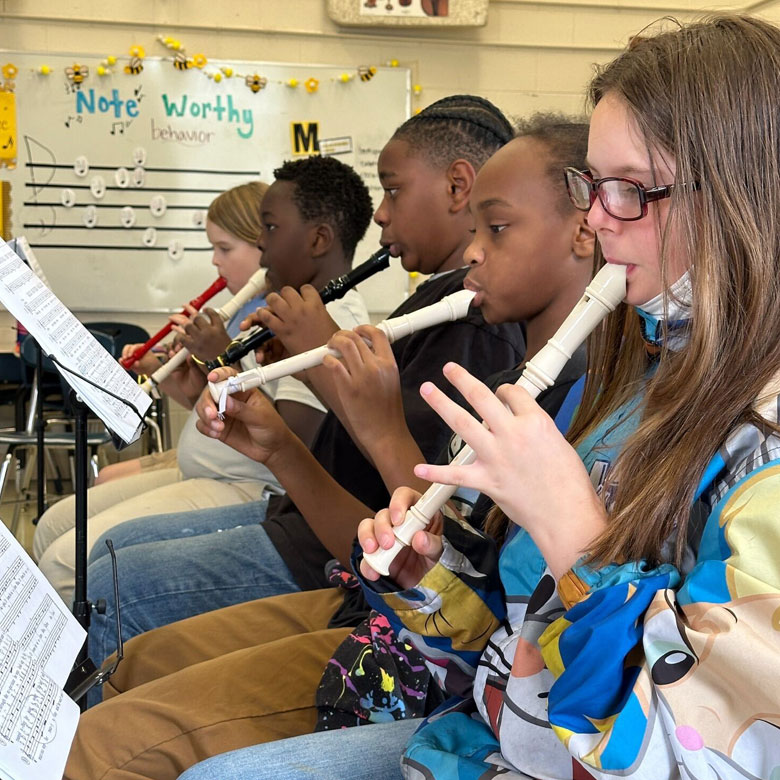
[(708, 95), (237, 211)]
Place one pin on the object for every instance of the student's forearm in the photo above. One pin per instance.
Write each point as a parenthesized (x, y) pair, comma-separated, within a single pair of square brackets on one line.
[(331, 512), (395, 457)]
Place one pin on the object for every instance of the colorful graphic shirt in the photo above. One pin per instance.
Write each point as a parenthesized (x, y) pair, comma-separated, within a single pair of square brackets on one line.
[(628, 671)]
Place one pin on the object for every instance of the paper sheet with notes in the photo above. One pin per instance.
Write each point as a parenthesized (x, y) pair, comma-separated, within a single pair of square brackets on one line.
[(39, 641), (60, 334)]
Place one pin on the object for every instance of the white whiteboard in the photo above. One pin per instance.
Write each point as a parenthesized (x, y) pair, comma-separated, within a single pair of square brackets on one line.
[(196, 138)]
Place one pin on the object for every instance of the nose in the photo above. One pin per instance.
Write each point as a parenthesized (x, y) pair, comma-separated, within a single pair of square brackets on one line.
[(598, 218), (474, 254), (381, 215)]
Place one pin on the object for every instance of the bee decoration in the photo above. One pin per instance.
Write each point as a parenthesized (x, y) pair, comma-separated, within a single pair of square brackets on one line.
[(180, 61), (366, 72), (255, 82), (77, 73), (134, 67)]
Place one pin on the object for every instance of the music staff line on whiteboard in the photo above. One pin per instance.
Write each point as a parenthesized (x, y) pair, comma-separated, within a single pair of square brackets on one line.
[(145, 188), (119, 247), (169, 207), (147, 168), (158, 228)]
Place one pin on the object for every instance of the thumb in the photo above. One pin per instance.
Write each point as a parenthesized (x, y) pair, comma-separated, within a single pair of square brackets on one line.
[(428, 545)]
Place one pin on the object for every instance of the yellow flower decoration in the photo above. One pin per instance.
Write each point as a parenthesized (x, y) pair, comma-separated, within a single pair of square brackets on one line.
[(199, 60), (102, 70), (44, 70), (292, 83), (137, 51), (311, 84), (227, 71), (344, 78), (175, 45), (10, 70), (217, 77), (417, 89), (111, 60), (393, 63)]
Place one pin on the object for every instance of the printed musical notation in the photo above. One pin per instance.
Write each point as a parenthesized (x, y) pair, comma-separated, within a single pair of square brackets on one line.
[(39, 639)]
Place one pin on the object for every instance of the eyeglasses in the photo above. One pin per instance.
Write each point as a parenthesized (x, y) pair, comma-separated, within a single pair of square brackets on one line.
[(623, 199)]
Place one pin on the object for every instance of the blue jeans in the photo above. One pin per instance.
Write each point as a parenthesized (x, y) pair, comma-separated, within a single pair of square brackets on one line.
[(169, 579), (178, 525), (363, 751)]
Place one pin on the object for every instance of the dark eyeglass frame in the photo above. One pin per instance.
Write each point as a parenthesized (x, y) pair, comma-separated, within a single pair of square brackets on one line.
[(644, 194)]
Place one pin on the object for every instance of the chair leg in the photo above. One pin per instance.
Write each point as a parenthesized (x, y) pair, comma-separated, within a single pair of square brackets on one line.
[(93, 462), (6, 465), (155, 428), (23, 486)]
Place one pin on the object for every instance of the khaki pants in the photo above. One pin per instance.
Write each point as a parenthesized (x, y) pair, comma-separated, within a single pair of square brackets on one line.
[(216, 682)]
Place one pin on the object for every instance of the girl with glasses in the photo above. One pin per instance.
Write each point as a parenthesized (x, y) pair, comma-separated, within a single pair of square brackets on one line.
[(632, 629)]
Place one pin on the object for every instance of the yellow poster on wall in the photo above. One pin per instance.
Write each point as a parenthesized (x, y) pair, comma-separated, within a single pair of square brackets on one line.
[(7, 129)]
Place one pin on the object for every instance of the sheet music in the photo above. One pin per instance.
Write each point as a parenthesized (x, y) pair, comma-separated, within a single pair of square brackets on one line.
[(21, 246), (39, 640), (60, 334)]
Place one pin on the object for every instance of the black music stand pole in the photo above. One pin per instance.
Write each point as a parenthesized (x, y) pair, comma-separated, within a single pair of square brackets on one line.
[(39, 426), (81, 606)]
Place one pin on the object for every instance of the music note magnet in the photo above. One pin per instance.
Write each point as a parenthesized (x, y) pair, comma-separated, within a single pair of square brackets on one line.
[(158, 206), (149, 237), (97, 186), (138, 177), (122, 177), (175, 249), (139, 155), (68, 198), (81, 166), (127, 217), (90, 216)]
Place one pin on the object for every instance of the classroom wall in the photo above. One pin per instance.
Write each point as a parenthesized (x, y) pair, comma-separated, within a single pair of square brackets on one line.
[(530, 56)]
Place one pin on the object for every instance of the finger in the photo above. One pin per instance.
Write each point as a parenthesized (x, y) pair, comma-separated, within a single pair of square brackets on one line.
[(252, 319), (380, 344), (212, 429), (460, 476), (291, 297), (428, 545), (368, 573), (477, 394), (457, 418), (336, 367), (311, 296), (190, 309), (214, 318), (517, 398), (178, 319), (178, 329), (221, 374), (346, 343), (365, 535), (376, 533), (400, 501)]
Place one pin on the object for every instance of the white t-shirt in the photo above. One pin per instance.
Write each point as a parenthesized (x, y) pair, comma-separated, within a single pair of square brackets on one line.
[(202, 457)]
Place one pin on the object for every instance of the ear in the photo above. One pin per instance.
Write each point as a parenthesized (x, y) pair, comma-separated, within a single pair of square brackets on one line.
[(460, 180), (321, 239), (583, 239)]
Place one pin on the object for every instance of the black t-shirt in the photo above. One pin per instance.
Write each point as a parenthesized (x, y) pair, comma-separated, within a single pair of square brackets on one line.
[(481, 348)]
